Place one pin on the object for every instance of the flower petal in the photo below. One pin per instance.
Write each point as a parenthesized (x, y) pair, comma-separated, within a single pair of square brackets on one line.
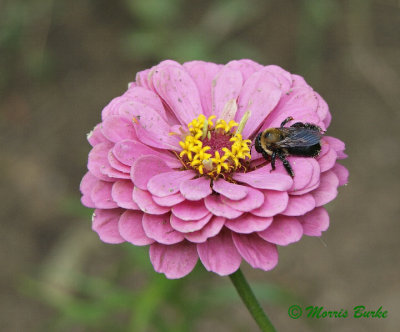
[(260, 94), (219, 254), (283, 231), (225, 87), (195, 189), (218, 208), (175, 261), (248, 223), (168, 183), (101, 195), (174, 85), (86, 185), (96, 136), (274, 202), (145, 202), (315, 222), (246, 66), (253, 200), (121, 193), (145, 167), (116, 164), (327, 189), (159, 229), (170, 200), (131, 228), (212, 228), (327, 161), (105, 224), (186, 226), (230, 190), (258, 253), (117, 128), (146, 97), (299, 205), (203, 74), (127, 151), (262, 178), (342, 173), (313, 182), (337, 145), (98, 160), (190, 210)]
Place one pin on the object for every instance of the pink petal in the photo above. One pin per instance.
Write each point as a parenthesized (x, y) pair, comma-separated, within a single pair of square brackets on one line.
[(248, 223), (218, 208), (131, 229), (300, 103), (145, 202), (327, 161), (323, 110), (284, 77), (101, 195), (117, 128), (116, 164), (170, 200), (168, 183), (315, 222), (96, 136), (195, 189), (159, 229), (186, 226), (327, 189), (337, 145), (128, 151), (150, 127), (190, 210), (179, 91), (146, 97), (257, 252), (105, 224), (245, 66), (86, 186), (253, 200), (342, 173), (303, 169), (314, 181), (226, 86), (284, 230), (260, 94), (230, 190), (111, 172), (274, 202), (219, 254), (175, 261), (299, 205), (145, 167), (212, 228), (262, 178), (122, 194), (203, 74), (98, 160)]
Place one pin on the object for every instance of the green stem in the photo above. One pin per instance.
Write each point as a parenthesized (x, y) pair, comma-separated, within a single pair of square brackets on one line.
[(247, 296)]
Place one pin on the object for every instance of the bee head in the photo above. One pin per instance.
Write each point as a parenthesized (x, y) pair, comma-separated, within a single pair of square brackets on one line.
[(271, 135)]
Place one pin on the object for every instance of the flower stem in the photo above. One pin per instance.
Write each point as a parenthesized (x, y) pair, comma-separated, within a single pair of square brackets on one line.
[(247, 296)]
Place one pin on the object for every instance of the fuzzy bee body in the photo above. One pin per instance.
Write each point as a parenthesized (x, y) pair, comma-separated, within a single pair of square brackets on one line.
[(300, 139)]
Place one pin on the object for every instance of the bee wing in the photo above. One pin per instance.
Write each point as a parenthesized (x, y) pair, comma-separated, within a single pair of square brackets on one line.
[(300, 137)]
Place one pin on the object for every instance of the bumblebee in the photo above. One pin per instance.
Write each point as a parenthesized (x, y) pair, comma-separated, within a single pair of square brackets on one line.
[(300, 139)]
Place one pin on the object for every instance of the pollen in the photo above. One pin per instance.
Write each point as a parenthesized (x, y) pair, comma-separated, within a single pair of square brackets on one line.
[(214, 148)]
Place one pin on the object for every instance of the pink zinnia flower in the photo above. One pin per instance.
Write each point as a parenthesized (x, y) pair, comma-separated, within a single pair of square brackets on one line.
[(171, 167)]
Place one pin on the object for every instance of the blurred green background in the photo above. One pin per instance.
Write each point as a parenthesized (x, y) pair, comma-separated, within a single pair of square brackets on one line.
[(62, 61)]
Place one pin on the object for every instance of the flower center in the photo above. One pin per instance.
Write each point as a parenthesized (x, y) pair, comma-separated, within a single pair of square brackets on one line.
[(214, 150)]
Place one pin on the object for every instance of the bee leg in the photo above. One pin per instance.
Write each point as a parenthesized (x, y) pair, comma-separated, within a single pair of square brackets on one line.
[(286, 121), (273, 157), (286, 164)]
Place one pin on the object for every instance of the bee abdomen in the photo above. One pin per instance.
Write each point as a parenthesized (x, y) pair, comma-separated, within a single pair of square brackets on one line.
[(305, 151)]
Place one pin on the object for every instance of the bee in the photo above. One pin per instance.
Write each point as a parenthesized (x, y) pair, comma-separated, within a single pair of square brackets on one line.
[(300, 139)]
